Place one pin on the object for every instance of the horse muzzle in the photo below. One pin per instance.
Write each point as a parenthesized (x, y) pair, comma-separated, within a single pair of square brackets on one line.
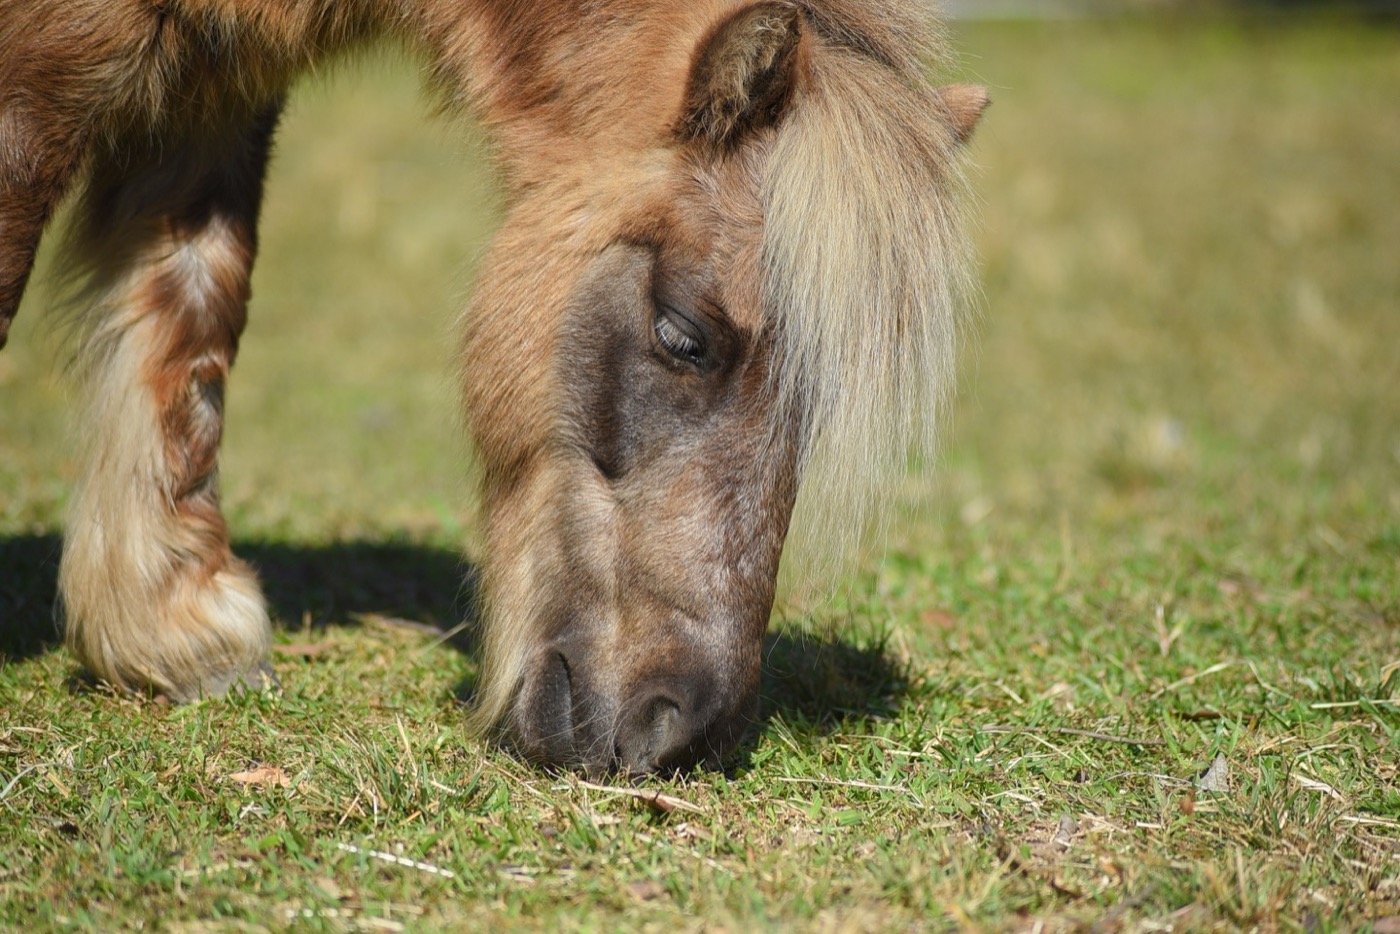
[(664, 721)]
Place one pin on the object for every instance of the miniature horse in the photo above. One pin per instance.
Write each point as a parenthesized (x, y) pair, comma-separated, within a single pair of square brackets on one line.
[(731, 262)]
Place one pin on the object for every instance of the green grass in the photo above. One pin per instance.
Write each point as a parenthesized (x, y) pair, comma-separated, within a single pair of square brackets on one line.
[(1169, 512)]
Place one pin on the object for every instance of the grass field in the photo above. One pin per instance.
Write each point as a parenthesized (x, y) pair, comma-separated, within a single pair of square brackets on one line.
[(1166, 534)]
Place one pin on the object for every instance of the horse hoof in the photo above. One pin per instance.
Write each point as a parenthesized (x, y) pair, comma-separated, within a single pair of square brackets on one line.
[(260, 679)]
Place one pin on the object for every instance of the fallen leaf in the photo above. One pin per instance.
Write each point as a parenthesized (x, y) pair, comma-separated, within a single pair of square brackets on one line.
[(262, 775), (1389, 925), (646, 891), (1066, 831), (1217, 777), (938, 619), (328, 885)]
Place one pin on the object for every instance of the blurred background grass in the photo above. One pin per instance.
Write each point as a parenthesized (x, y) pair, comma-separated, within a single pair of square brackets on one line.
[(1190, 268)]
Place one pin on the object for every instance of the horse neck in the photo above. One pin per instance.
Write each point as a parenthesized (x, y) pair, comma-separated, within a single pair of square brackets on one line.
[(546, 73)]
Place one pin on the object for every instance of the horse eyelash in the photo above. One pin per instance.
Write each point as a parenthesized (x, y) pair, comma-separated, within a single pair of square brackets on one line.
[(677, 342)]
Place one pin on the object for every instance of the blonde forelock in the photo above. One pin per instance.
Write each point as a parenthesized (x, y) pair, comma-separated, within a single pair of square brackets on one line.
[(866, 270)]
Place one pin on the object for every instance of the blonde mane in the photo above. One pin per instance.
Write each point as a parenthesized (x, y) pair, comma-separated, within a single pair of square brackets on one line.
[(866, 269)]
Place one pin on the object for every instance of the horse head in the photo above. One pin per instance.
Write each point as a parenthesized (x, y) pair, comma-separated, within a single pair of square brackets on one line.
[(729, 269)]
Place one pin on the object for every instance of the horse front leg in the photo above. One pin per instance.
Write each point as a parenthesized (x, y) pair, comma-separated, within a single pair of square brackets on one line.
[(152, 595)]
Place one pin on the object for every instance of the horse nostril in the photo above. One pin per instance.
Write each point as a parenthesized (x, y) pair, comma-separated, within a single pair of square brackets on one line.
[(667, 731), (558, 691), (657, 738), (547, 728)]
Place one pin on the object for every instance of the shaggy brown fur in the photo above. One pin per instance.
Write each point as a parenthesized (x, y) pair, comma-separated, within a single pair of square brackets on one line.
[(732, 254)]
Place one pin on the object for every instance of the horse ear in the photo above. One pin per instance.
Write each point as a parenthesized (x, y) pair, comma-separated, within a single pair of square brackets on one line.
[(743, 73), (965, 104)]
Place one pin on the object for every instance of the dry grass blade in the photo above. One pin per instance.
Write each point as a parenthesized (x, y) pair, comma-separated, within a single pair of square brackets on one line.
[(1312, 784), (658, 800), (397, 860), (1339, 705), (1190, 679)]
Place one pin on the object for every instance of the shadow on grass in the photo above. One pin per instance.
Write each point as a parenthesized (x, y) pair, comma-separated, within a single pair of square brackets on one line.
[(28, 583), (316, 584), (343, 581), (819, 683), (815, 683)]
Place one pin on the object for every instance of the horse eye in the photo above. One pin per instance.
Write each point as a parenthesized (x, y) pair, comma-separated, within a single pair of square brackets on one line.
[(680, 338)]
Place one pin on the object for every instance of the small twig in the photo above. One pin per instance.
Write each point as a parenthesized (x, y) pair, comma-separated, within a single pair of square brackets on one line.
[(657, 799), (1071, 731), (397, 860)]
